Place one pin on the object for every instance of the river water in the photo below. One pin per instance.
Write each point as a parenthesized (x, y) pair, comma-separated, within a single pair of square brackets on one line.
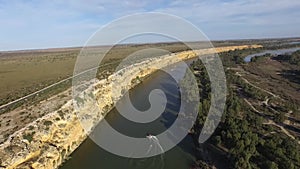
[(90, 156), (272, 52)]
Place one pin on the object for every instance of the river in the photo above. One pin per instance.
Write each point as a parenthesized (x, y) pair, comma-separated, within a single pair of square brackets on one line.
[(90, 156), (272, 52)]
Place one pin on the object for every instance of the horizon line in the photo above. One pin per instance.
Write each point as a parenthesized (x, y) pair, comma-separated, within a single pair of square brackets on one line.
[(141, 43)]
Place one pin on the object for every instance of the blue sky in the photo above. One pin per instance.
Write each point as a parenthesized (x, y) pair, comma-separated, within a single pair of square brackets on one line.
[(30, 24)]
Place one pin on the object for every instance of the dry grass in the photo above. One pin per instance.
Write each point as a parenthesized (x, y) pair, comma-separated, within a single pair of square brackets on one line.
[(267, 74), (21, 74), (24, 72)]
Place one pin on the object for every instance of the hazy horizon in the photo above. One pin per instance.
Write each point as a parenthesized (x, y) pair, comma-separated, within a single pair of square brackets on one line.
[(139, 43), (58, 24)]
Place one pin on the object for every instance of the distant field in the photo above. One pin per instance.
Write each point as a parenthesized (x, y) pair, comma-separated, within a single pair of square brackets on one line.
[(23, 72), (27, 72)]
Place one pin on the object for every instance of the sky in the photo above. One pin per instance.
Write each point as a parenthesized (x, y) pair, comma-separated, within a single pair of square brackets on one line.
[(33, 24)]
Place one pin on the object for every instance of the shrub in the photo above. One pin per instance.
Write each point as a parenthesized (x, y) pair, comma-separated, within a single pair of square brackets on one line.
[(29, 136), (48, 123)]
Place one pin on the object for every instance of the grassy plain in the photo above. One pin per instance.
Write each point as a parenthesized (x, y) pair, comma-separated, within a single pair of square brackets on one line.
[(24, 72)]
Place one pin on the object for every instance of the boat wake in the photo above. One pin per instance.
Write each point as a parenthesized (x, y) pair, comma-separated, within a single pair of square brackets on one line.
[(155, 162)]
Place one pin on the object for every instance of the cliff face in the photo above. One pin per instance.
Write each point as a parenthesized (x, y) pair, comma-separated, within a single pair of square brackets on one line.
[(48, 141)]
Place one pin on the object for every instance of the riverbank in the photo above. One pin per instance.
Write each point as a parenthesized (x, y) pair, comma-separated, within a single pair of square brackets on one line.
[(48, 141)]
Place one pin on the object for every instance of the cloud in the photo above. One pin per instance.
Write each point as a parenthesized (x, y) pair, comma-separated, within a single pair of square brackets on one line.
[(240, 19), (230, 11), (41, 23)]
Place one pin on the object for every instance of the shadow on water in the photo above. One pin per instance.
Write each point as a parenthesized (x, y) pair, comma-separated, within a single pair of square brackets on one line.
[(91, 156)]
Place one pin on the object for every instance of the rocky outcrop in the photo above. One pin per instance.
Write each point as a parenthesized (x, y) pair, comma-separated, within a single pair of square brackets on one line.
[(48, 141)]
